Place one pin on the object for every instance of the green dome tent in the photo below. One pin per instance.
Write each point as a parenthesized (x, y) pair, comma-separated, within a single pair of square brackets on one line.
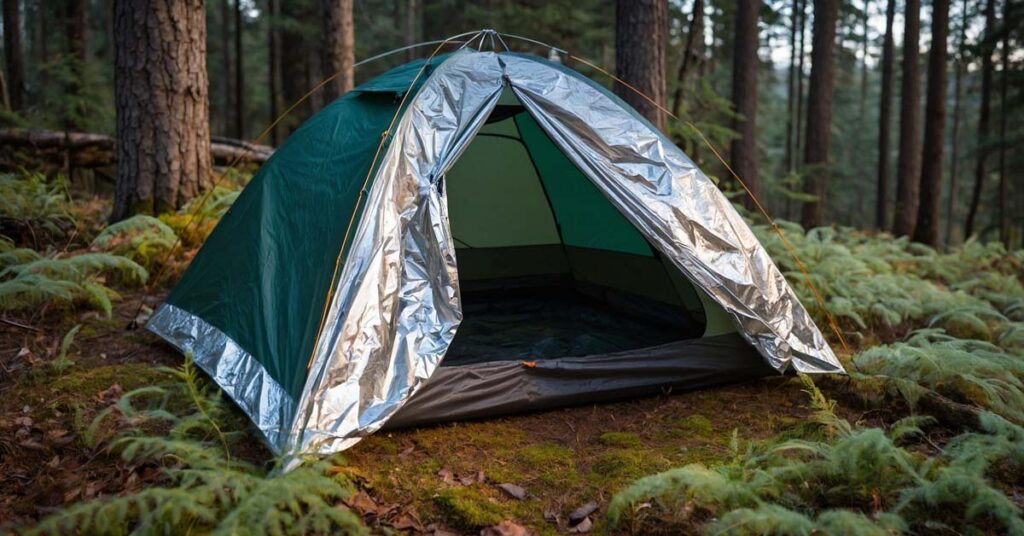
[(524, 240)]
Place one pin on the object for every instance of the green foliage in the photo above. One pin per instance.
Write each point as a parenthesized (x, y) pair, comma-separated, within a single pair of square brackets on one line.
[(141, 238), (29, 279), (196, 220), (62, 363), (850, 480), (32, 209), (178, 427), (971, 371)]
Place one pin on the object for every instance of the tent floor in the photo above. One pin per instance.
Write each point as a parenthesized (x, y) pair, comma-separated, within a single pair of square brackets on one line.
[(523, 349), (530, 323)]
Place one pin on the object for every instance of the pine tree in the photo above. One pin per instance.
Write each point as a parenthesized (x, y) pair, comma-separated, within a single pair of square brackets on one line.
[(819, 110), (927, 228), (908, 168), (640, 36), (744, 97), (884, 121)]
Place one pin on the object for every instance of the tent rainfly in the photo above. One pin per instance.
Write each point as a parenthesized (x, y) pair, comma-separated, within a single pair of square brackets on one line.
[(524, 240)]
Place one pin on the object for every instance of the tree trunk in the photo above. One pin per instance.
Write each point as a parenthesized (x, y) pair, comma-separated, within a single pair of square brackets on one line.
[(788, 159), (908, 167), (954, 160), (819, 110), (864, 61), (798, 145), (412, 27), (5, 99), (884, 122), (160, 93), (689, 55), (640, 34), (239, 73), (340, 55), (983, 116), (1004, 111), (294, 61), (927, 229), (744, 98), (13, 55), (226, 91), (274, 67)]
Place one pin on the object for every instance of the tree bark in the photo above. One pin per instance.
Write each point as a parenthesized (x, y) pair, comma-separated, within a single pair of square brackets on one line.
[(884, 121), (295, 60), (340, 55), (5, 99), (689, 54), (789, 161), (1004, 111), (239, 72), (640, 34), (864, 61), (13, 55), (413, 25), (954, 159), (927, 228), (798, 145), (160, 93), (274, 67), (819, 110), (983, 116), (226, 91), (908, 167), (743, 154)]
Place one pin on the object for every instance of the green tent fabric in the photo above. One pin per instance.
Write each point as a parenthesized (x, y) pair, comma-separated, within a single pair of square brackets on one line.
[(503, 226)]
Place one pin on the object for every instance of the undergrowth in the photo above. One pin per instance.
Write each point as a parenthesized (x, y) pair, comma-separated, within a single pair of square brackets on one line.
[(46, 261), (177, 428)]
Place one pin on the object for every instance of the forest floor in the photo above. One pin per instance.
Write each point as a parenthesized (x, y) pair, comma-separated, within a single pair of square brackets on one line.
[(446, 477)]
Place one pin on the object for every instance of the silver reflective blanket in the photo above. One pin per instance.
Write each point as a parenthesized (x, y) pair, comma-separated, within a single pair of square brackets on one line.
[(397, 307)]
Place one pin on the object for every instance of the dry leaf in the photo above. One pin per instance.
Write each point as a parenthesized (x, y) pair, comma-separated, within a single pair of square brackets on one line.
[(446, 476)]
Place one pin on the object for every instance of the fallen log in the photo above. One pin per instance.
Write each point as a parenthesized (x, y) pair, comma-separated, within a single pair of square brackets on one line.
[(88, 150)]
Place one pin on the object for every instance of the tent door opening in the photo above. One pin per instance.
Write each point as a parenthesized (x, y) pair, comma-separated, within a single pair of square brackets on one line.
[(548, 268)]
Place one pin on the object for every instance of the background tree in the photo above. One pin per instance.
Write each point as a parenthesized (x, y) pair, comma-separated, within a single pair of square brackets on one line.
[(163, 137), (1004, 112), (743, 155), (954, 159), (884, 121), (927, 227), (908, 167), (640, 36), (819, 110), (13, 55), (239, 72), (985, 51), (274, 66), (340, 49)]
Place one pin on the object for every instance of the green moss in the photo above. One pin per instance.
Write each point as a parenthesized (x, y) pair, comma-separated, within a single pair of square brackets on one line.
[(86, 383), (619, 463), (619, 439), (694, 425), (469, 507)]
